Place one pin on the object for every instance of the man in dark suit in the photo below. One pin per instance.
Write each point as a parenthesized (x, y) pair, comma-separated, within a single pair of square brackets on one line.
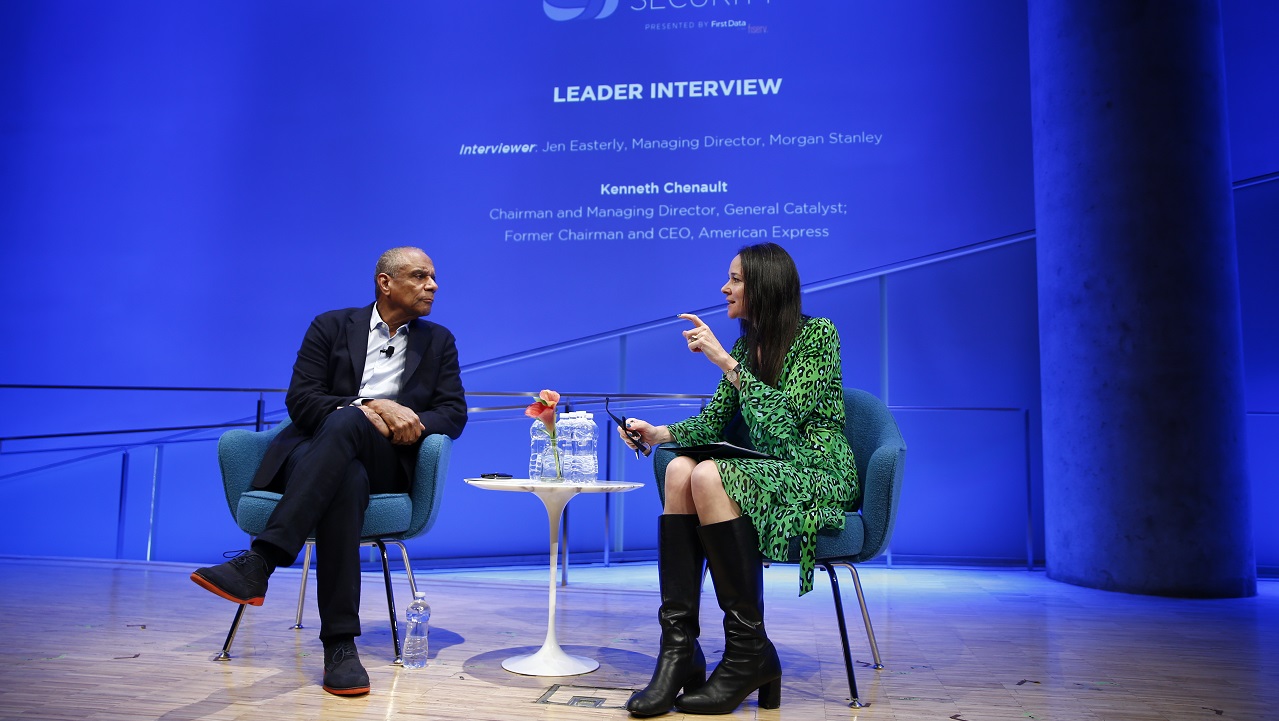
[(369, 383)]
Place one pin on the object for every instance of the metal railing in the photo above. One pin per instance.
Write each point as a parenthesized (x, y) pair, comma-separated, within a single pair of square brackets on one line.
[(500, 410), (262, 418)]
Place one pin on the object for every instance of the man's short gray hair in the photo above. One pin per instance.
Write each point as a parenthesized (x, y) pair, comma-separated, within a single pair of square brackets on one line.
[(392, 262)]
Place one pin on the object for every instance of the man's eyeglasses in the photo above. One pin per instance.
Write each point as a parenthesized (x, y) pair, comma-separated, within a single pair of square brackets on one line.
[(634, 436)]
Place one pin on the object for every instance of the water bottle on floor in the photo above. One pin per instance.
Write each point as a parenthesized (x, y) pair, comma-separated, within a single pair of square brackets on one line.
[(416, 643)]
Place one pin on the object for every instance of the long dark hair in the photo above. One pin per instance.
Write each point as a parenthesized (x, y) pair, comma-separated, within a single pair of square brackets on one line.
[(771, 286)]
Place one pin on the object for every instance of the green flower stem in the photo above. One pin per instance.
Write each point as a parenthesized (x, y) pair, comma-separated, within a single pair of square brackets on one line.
[(555, 448)]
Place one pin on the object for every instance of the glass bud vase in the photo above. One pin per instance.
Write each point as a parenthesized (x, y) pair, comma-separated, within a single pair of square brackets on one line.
[(552, 464)]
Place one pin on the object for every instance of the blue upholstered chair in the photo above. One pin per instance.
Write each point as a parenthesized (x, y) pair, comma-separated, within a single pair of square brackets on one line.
[(391, 518), (880, 453)]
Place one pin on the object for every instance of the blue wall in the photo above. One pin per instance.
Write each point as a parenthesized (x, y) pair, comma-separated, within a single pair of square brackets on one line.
[(183, 186)]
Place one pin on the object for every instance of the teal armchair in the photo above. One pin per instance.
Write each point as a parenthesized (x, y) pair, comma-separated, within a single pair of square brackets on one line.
[(391, 518), (880, 454)]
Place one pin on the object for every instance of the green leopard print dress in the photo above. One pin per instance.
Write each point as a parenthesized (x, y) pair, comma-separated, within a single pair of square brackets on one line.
[(800, 422)]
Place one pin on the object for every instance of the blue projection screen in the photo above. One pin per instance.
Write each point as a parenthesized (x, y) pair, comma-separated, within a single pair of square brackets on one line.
[(229, 170), (628, 148)]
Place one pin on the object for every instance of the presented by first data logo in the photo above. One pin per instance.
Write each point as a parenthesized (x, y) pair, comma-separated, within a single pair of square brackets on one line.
[(579, 9)]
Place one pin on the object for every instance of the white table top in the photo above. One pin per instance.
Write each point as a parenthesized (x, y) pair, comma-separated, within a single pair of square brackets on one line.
[(525, 484)]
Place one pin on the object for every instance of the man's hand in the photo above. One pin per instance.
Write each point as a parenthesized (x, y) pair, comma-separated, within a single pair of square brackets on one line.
[(376, 420), (404, 425)]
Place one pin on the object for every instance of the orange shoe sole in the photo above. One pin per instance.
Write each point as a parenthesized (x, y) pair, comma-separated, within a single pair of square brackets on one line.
[(204, 583), (347, 691)]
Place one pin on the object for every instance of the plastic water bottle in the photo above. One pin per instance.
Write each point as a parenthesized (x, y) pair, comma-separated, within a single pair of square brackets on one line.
[(568, 431), (587, 445), (539, 440), (416, 643)]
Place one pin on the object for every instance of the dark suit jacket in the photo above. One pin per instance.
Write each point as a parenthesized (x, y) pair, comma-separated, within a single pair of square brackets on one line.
[(327, 376)]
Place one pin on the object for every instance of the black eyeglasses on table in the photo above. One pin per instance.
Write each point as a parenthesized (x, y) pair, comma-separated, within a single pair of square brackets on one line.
[(634, 436)]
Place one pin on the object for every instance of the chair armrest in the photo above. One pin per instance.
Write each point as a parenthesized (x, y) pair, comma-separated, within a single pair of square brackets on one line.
[(661, 458), (428, 482), (883, 484), (240, 453)]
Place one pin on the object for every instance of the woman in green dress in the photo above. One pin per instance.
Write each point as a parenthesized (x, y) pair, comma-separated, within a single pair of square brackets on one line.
[(783, 376)]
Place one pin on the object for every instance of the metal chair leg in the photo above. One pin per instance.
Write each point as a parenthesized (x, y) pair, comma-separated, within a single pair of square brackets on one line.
[(306, 573), (390, 602), (230, 636), (843, 636), (861, 599), (408, 567)]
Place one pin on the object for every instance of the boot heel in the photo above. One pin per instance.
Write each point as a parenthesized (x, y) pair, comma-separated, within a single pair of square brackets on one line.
[(770, 694)]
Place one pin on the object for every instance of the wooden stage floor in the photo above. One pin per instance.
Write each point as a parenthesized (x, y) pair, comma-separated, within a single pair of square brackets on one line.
[(97, 640)]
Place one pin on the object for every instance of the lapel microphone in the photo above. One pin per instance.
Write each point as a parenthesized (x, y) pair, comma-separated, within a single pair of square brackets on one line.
[(388, 351)]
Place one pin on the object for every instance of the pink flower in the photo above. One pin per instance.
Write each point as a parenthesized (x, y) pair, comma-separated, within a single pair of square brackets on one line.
[(543, 409)]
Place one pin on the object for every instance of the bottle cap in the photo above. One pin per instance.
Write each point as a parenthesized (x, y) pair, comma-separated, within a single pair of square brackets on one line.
[(419, 594)]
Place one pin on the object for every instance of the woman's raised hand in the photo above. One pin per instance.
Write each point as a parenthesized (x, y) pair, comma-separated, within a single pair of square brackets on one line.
[(702, 340)]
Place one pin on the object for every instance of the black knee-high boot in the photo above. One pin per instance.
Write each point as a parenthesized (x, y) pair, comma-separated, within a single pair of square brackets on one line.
[(680, 663), (750, 661)]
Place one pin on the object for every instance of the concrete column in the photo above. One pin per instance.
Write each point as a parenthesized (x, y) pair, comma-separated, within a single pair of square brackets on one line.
[(1145, 483)]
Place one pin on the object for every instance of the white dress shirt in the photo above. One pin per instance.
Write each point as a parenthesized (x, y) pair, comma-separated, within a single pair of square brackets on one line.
[(383, 373)]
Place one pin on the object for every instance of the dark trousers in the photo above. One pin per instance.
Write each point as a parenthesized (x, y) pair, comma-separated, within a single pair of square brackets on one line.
[(326, 484)]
